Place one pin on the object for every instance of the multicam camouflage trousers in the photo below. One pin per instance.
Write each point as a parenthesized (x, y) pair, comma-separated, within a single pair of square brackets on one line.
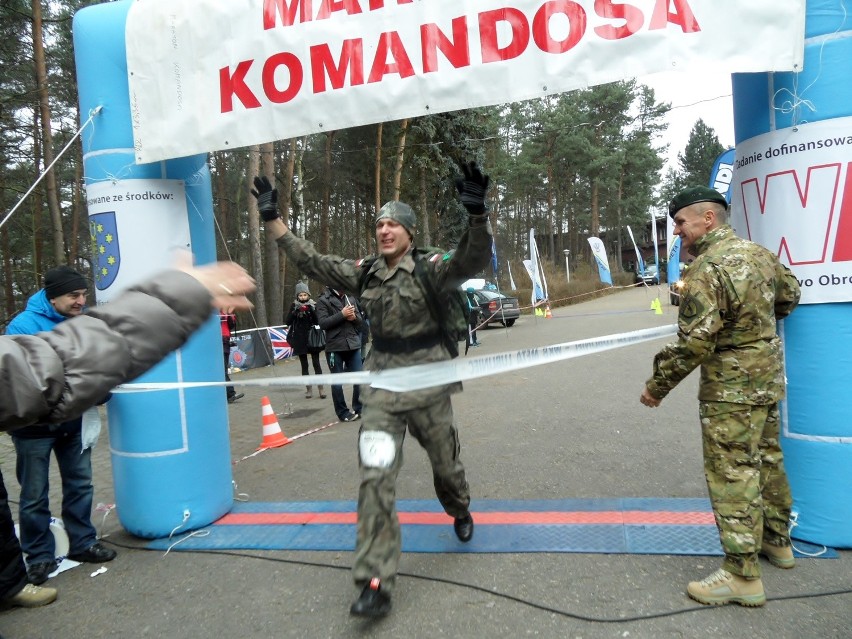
[(378, 544), (744, 467)]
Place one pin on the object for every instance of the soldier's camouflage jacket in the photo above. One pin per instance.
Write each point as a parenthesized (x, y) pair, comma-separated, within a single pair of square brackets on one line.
[(396, 303), (734, 292)]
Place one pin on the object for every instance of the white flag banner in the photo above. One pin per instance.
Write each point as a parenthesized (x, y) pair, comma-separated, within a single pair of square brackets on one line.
[(640, 263), (599, 253), (212, 74)]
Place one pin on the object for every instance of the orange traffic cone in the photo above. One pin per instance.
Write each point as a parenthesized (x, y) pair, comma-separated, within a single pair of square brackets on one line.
[(547, 313), (272, 435)]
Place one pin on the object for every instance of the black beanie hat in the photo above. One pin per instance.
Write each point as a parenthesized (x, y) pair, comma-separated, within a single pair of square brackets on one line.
[(61, 280)]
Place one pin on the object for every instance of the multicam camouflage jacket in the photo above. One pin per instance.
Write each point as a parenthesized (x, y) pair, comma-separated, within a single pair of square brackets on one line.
[(396, 303), (734, 292)]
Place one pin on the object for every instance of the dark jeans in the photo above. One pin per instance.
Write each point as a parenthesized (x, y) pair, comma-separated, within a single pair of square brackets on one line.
[(226, 347), (75, 469), (13, 573), (315, 360), (349, 362)]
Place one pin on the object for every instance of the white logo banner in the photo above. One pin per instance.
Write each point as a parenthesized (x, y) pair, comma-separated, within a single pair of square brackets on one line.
[(218, 74), (792, 193)]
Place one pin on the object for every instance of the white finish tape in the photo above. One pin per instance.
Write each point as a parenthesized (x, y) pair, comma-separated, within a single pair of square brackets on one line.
[(412, 378)]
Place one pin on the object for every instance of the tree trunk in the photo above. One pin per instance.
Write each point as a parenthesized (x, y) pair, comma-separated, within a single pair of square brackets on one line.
[(275, 308), (47, 135), (378, 174), (299, 202), (425, 231), (400, 159), (255, 243), (286, 205), (326, 195)]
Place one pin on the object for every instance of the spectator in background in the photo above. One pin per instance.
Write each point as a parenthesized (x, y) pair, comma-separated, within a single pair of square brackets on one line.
[(228, 323), (340, 319), (365, 332), (473, 315), (299, 321), (63, 296)]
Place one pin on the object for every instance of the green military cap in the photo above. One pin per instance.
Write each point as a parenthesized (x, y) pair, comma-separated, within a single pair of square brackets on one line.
[(399, 212), (693, 195)]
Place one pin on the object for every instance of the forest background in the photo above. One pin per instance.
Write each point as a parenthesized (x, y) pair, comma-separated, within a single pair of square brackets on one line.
[(571, 166)]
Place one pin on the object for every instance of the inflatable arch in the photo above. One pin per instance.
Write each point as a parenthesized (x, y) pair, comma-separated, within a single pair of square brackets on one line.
[(171, 449)]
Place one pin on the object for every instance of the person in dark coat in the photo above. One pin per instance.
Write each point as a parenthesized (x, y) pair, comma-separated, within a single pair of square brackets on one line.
[(299, 321), (341, 320)]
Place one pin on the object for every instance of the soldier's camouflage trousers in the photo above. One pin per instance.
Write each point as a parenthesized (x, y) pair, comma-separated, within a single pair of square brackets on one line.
[(378, 544), (749, 492)]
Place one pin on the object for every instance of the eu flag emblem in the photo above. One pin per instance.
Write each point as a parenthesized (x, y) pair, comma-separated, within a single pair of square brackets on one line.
[(105, 252)]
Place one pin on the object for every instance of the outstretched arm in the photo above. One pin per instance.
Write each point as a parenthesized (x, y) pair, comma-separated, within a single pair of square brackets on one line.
[(56, 375)]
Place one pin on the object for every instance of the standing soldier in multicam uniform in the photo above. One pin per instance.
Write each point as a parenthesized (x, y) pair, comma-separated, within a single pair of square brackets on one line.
[(734, 292), (404, 333)]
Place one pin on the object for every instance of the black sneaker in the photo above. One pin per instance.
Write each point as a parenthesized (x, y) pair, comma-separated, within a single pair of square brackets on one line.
[(464, 528), (372, 602), (38, 572), (95, 554), (235, 397), (351, 416)]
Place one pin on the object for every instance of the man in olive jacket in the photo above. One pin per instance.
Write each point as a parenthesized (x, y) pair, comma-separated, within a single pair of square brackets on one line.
[(733, 294), (405, 332)]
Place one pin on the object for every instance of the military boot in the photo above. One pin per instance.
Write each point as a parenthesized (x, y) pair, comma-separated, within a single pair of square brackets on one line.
[(779, 556), (723, 587), (309, 392), (373, 601)]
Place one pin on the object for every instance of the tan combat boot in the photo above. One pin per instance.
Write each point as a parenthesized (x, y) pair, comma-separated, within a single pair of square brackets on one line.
[(322, 391), (309, 392), (723, 587), (779, 556), (32, 596)]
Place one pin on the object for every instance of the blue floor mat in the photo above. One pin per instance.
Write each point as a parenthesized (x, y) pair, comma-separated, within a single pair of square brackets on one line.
[(670, 526)]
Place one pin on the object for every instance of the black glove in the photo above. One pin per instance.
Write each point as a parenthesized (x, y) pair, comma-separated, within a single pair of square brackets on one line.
[(472, 188), (267, 198)]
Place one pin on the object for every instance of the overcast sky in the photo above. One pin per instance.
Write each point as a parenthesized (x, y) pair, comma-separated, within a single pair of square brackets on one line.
[(692, 96)]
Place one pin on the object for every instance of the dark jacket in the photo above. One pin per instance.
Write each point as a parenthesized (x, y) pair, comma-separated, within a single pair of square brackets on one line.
[(340, 333), (56, 375), (299, 321)]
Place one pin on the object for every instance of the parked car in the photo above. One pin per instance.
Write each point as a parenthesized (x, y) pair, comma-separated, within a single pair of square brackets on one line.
[(676, 287), (496, 307), (649, 277)]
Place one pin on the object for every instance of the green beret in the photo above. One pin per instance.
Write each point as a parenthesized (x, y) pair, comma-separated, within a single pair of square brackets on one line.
[(693, 195), (399, 212)]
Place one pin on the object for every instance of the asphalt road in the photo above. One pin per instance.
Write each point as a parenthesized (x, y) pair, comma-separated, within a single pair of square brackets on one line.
[(570, 429)]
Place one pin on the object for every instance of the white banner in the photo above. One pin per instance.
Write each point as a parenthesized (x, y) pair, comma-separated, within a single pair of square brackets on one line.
[(792, 193), (135, 227), (599, 253), (218, 74)]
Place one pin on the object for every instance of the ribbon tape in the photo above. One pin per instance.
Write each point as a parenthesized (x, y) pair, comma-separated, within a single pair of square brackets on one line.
[(411, 378)]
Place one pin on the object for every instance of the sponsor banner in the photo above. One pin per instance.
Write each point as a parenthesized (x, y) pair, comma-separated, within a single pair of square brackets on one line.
[(209, 75), (135, 227), (792, 193), (599, 252), (723, 172), (640, 263), (250, 349)]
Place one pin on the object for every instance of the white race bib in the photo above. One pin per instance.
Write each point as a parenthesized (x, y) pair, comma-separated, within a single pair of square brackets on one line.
[(377, 449)]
